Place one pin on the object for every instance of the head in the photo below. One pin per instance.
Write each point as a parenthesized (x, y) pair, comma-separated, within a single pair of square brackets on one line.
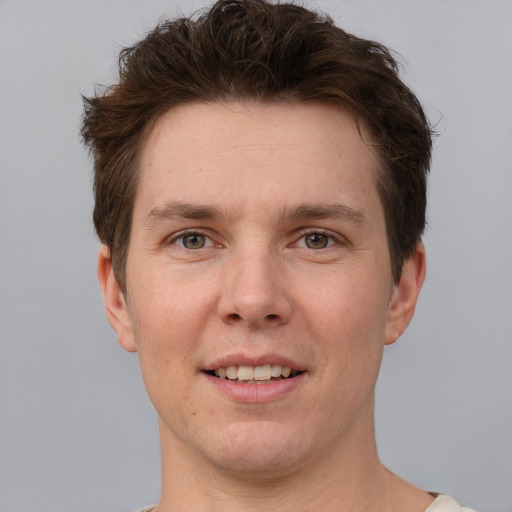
[(252, 50), (260, 190)]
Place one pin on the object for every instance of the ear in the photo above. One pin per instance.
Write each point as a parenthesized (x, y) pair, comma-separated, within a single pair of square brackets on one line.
[(405, 295), (115, 303)]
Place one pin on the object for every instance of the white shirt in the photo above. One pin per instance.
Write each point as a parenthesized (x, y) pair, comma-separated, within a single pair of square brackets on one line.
[(442, 503), (445, 503)]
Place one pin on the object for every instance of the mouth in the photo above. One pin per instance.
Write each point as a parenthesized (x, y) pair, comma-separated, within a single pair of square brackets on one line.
[(263, 374)]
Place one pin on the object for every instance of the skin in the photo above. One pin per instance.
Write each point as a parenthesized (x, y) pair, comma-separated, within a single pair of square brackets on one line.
[(286, 259)]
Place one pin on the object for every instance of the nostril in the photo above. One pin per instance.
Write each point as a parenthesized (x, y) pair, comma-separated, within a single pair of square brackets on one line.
[(271, 317)]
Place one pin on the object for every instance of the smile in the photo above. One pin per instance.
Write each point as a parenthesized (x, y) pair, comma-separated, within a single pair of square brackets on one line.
[(255, 374)]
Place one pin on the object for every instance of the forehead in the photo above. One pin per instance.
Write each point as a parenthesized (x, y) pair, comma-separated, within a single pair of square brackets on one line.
[(271, 153)]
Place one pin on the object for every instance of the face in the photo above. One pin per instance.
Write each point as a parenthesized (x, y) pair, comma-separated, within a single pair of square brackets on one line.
[(259, 288)]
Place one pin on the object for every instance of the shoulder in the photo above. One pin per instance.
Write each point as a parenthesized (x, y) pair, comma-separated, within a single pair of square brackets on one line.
[(445, 503)]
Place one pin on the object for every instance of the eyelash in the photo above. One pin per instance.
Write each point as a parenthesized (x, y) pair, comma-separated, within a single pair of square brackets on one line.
[(331, 238), (182, 235)]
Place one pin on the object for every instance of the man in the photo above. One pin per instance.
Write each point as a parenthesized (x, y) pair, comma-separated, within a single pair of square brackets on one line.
[(260, 186)]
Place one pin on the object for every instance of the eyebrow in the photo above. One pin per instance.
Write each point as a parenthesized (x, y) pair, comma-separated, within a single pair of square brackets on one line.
[(176, 210), (305, 211), (331, 211)]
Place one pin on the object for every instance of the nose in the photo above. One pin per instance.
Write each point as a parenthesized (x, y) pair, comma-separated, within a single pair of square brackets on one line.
[(254, 292)]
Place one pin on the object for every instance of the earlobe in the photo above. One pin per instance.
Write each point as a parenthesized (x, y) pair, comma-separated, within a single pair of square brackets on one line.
[(405, 295), (114, 300)]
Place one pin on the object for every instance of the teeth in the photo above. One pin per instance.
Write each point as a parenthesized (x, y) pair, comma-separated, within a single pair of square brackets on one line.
[(255, 374), (261, 372), (245, 373), (232, 372), (276, 370)]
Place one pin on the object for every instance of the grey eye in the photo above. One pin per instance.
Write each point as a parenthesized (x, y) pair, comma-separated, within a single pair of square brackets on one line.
[(194, 241), (316, 241)]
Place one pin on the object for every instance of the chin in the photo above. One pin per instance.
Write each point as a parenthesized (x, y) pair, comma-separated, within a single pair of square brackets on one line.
[(258, 450)]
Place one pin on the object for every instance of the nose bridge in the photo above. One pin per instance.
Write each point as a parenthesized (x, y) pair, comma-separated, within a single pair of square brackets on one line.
[(253, 291)]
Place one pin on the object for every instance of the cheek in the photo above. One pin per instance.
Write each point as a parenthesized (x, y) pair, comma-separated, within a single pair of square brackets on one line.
[(164, 337), (167, 307), (165, 340), (350, 319), (355, 300)]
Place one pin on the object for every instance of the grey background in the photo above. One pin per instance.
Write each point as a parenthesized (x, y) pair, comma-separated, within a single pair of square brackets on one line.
[(77, 432)]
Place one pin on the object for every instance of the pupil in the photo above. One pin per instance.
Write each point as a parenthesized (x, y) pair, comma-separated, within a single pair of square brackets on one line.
[(316, 241), (194, 241)]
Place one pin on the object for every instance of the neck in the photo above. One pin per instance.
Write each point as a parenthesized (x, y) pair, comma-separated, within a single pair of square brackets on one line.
[(345, 478)]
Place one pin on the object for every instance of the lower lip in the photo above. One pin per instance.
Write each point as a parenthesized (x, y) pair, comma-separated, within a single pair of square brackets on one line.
[(256, 393)]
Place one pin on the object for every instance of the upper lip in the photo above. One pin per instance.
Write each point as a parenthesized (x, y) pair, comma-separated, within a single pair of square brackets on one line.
[(247, 360)]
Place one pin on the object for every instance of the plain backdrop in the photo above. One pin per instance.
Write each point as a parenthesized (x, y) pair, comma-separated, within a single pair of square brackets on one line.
[(77, 431)]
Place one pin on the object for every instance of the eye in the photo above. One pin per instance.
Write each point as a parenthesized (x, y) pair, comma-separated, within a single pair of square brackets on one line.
[(193, 240), (316, 240)]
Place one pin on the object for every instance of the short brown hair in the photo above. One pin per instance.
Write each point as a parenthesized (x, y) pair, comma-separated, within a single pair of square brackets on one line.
[(256, 50)]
